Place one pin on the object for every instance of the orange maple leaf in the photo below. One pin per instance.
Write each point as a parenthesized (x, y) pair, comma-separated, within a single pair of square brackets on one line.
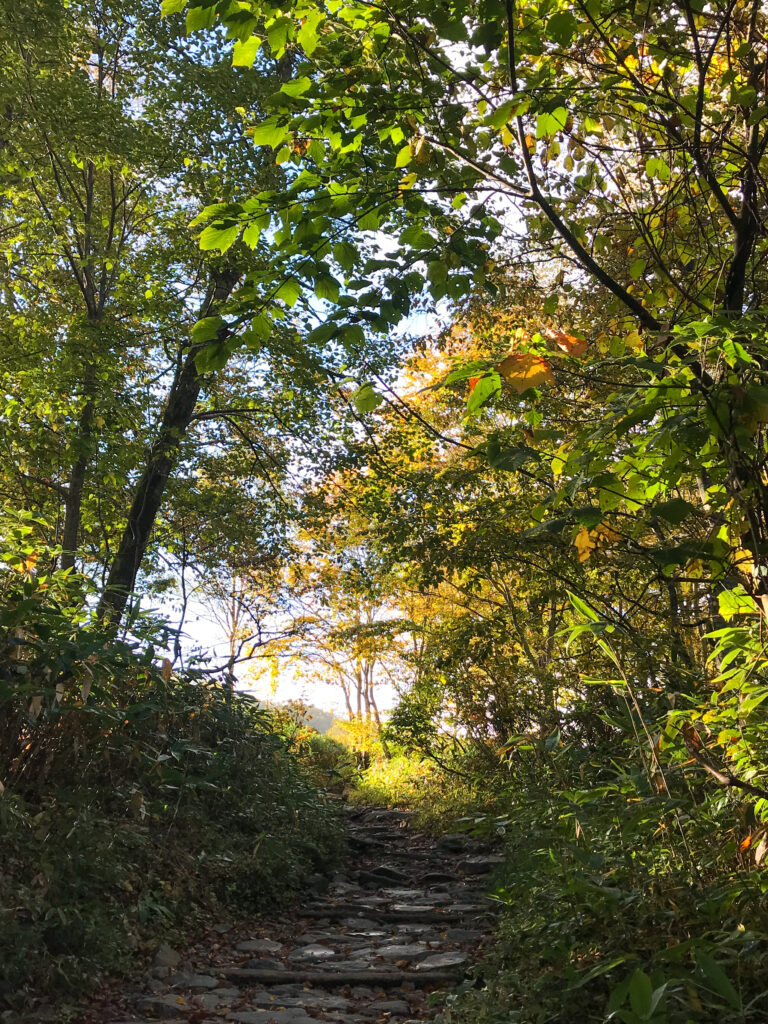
[(473, 383), (523, 370), (569, 343)]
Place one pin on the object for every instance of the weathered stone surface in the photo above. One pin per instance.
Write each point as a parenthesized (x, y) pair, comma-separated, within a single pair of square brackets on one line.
[(481, 865), (355, 956), (258, 946), (292, 1015), (411, 952), (167, 957), (163, 1006), (452, 842), (194, 981), (312, 952), (441, 961), (434, 877), (219, 997), (389, 1006), (463, 935), (301, 998)]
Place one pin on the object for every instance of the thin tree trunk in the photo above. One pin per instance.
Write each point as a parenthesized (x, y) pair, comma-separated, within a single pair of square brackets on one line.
[(176, 418), (73, 501)]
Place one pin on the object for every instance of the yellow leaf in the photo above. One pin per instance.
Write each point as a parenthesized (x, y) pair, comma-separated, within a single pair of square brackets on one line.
[(559, 459), (605, 534), (584, 543), (743, 561), (523, 370)]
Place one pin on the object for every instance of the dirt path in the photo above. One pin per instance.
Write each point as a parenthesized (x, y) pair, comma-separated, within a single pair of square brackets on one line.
[(407, 915)]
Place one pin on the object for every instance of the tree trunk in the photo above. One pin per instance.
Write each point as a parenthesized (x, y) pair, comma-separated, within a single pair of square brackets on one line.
[(176, 418), (73, 501)]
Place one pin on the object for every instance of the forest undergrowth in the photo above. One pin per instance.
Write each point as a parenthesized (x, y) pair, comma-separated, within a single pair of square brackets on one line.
[(138, 803), (619, 904)]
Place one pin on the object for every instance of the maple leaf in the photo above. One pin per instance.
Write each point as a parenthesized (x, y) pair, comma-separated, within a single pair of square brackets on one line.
[(523, 370), (584, 542), (568, 343)]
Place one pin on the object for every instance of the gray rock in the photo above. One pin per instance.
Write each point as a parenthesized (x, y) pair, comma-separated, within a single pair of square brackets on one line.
[(258, 946), (167, 957), (411, 952), (292, 1015), (313, 952), (442, 960), (384, 871), (482, 865), (389, 1006), (265, 963), (194, 981), (435, 877), (302, 999), (163, 1006), (222, 928), (219, 997), (463, 935)]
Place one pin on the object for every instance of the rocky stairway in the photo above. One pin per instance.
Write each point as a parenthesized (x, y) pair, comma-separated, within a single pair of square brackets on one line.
[(407, 917)]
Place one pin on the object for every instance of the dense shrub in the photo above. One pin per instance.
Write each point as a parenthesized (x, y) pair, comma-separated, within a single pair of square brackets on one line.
[(134, 802)]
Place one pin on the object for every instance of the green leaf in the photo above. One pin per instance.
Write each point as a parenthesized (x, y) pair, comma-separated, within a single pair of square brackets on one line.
[(297, 87), (674, 511), (735, 602), (219, 237), (206, 329), (437, 272), (717, 980), (509, 459), (345, 254), (327, 287), (252, 234), (261, 326), (502, 114), (636, 269), (308, 36), (549, 124), (550, 304), (485, 388), (277, 35), (365, 399), (270, 133), (562, 27), (404, 157), (244, 53), (213, 357), (289, 291), (655, 167), (171, 7), (582, 607), (200, 17), (641, 994)]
